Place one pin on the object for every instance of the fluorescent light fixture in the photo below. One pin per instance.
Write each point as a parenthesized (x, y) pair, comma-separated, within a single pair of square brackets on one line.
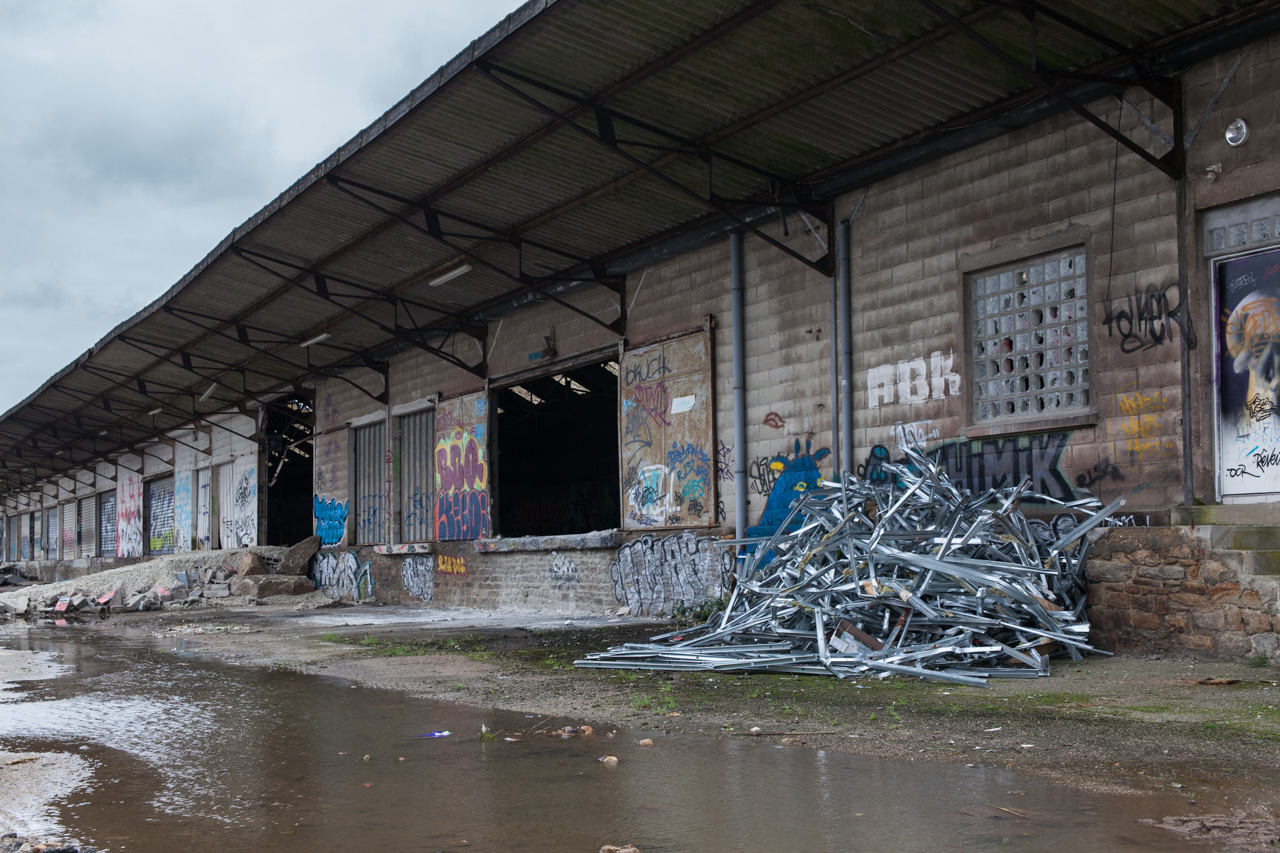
[(449, 276), (157, 410), (208, 392), (323, 336), (102, 432)]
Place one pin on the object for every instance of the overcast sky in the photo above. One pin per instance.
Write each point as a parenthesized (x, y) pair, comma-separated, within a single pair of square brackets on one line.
[(136, 134)]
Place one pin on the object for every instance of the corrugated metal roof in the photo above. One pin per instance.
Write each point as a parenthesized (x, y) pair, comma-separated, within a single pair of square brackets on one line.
[(496, 161)]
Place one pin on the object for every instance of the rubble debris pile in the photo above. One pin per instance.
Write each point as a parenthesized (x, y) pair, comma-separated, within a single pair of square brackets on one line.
[(910, 574)]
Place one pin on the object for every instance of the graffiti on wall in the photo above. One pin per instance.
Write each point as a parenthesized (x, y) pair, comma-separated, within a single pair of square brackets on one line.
[(160, 517), (916, 432), (1139, 436), (650, 369), (462, 486), (675, 492), (331, 519), (369, 519), (1146, 318), (417, 509), (773, 420), (793, 476), (1104, 470), (205, 503), (913, 380), (873, 470), (182, 512), (996, 463), (240, 515), (654, 574), (563, 571), (418, 574), (341, 575), (129, 514), (724, 462), (449, 565)]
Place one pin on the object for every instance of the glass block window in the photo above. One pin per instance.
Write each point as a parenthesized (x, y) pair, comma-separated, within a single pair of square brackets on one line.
[(1029, 354)]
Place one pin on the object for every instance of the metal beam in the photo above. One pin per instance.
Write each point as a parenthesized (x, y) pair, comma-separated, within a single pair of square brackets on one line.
[(496, 74), (1166, 90)]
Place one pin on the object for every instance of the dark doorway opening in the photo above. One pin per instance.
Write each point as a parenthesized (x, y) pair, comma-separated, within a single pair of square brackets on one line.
[(289, 470), (556, 448)]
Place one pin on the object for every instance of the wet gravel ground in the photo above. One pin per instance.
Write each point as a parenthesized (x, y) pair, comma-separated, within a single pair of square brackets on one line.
[(1130, 724)]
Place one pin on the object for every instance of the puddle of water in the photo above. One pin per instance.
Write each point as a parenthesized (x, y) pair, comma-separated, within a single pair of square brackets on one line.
[(274, 761)]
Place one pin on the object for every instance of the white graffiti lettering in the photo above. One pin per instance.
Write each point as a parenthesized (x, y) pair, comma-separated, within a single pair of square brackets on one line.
[(913, 380), (655, 574), (418, 574), (342, 576)]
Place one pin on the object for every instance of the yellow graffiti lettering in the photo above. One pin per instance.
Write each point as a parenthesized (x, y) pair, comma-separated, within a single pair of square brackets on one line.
[(446, 565)]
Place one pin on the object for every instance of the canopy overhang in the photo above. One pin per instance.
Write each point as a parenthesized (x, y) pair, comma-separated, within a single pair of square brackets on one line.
[(575, 142)]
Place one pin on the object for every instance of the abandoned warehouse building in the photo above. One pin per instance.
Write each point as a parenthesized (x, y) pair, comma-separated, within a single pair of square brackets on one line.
[(619, 282)]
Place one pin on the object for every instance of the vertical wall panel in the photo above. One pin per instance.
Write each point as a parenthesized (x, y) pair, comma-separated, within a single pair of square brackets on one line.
[(160, 516), (51, 533), (370, 482), (206, 530), (416, 443), (107, 524), (70, 531), (182, 511), (88, 535), (226, 499), (240, 517), (461, 468), (129, 511), (26, 545)]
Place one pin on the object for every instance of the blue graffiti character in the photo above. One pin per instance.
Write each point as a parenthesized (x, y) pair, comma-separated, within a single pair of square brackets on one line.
[(795, 477)]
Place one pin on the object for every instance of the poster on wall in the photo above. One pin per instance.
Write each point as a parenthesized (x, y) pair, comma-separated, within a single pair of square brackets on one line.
[(1249, 373), (462, 468)]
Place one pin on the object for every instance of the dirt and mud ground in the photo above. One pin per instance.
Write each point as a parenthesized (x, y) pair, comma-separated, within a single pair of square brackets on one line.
[(1129, 724)]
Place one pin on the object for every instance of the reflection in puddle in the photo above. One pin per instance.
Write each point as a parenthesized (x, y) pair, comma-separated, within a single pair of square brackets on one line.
[(276, 761)]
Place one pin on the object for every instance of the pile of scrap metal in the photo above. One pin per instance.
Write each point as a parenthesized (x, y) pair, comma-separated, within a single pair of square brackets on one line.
[(910, 574)]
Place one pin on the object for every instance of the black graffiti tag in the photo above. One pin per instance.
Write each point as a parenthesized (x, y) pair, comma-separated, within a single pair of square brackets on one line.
[(1147, 318)]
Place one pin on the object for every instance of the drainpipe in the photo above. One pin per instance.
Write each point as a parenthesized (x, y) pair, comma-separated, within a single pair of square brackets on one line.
[(834, 334), (844, 274), (739, 388), (1184, 350)]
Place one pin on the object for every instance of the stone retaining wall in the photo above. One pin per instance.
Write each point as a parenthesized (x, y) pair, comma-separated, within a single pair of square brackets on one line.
[(1161, 588)]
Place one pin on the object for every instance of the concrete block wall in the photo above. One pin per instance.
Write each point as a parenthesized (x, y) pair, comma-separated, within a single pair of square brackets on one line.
[(1041, 189), (518, 341)]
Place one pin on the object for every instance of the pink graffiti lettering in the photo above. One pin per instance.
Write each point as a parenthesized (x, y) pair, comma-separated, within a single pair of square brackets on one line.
[(460, 465), (655, 400)]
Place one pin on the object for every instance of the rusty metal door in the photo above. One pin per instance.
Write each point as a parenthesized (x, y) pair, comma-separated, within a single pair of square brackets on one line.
[(668, 458)]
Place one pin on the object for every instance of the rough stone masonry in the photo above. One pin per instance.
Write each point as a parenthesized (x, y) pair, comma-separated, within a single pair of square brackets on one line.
[(1163, 589)]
